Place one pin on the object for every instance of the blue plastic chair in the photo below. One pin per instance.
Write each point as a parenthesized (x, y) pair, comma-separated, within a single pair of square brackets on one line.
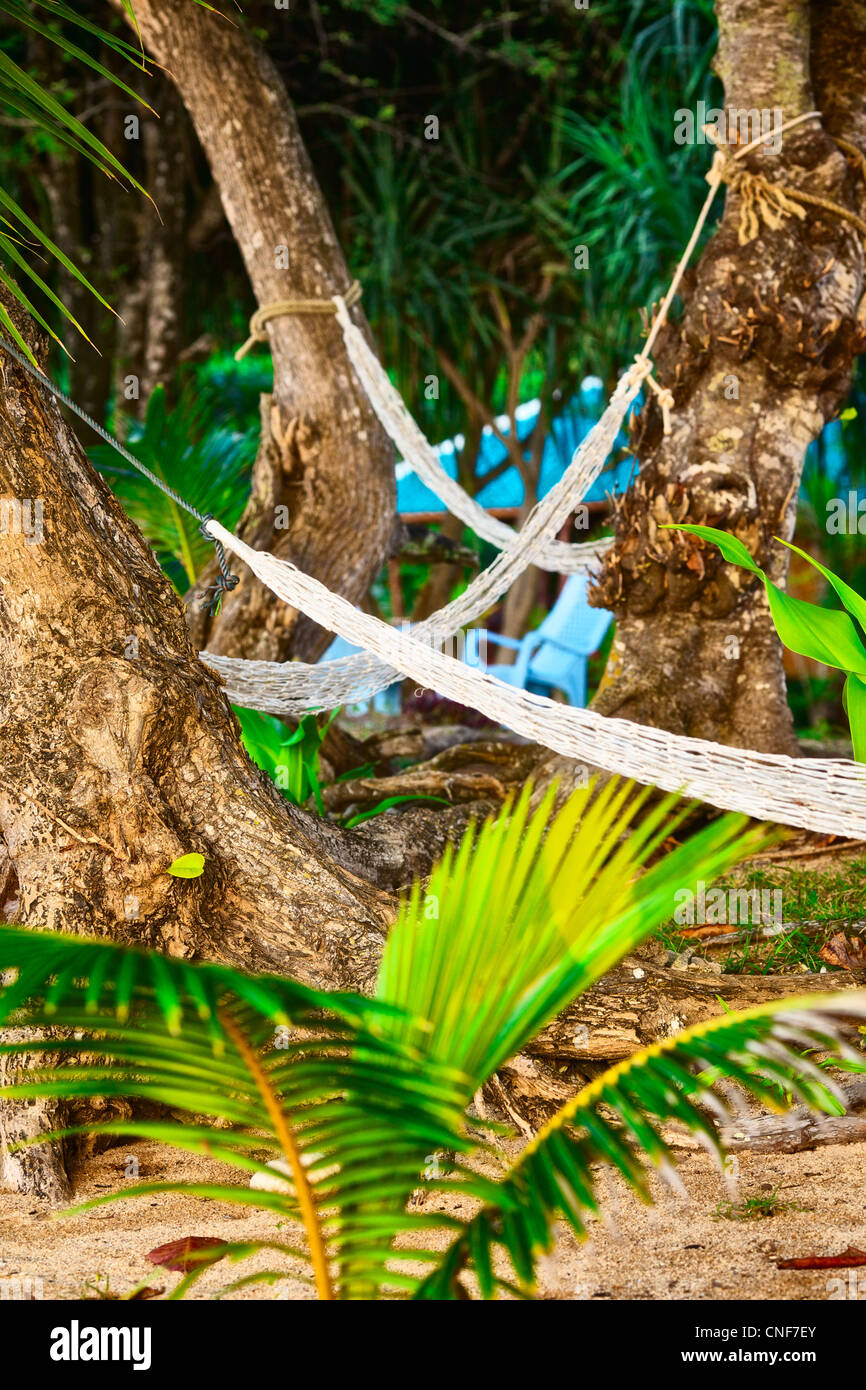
[(556, 655)]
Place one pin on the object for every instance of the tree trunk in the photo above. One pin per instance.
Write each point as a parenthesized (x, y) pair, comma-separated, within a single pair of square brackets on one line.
[(759, 362), (163, 241), (119, 752), (325, 466)]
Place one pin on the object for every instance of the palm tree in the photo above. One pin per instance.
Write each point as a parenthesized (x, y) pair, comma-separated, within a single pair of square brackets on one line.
[(357, 1094), (30, 100), (33, 102)]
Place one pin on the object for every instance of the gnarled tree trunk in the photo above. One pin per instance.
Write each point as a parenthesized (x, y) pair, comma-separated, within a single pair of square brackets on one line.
[(119, 752), (760, 361), (324, 463)]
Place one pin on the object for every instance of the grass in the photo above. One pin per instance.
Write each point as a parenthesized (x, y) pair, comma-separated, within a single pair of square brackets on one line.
[(814, 901), (795, 952), (756, 1208), (813, 895)]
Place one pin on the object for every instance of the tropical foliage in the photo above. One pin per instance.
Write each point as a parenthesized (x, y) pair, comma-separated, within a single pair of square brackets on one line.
[(193, 454), (836, 637), (35, 103), (290, 757), (359, 1096)]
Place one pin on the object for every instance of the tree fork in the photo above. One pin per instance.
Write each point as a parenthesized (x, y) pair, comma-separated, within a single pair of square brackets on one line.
[(324, 492), (119, 751)]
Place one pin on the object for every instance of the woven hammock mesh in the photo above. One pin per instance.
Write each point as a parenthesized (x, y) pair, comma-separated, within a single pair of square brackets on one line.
[(827, 795)]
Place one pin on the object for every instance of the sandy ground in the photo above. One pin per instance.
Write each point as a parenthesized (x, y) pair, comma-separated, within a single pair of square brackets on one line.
[(674, 1250)]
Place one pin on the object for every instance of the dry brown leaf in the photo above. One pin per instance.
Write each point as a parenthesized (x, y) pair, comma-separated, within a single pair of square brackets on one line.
[(849, 952)]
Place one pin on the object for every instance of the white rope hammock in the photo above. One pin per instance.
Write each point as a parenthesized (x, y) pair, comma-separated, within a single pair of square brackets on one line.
[(826, 795), (293, 687), (416, 450)]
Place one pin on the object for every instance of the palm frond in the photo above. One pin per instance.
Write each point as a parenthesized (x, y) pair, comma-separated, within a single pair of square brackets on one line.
[(507, 950), (356, 1095), (209, 466), (616, 1120), (315, 1078), (32, 100)]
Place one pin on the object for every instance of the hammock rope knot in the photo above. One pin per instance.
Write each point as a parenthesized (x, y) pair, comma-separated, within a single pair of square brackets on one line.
[(277, 308), (212, 596), (770, 202)]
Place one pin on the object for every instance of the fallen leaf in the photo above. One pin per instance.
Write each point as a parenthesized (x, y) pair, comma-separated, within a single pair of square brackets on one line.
[(849, 952), (188, 1253), (847, 1260), (188, 866)]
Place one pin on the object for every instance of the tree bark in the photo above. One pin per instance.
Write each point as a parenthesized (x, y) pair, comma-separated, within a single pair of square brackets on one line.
[(163, 235), (119, 752), (632, 1007), (759, 362), (325, 464)]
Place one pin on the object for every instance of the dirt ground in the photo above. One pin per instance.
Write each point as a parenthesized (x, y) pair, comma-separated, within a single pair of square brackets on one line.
[(681, 1248), (674, 1250)]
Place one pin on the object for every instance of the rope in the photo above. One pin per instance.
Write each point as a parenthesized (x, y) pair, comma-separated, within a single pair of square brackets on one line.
[(295, 688), (826, 795), (390, 408), (770, 201), (413, 446), (276, 308), (226, 580), (852, 150)]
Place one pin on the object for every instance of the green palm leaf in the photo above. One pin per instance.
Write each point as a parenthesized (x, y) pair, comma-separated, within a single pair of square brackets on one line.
[(24, 94), (509, 949), (209, 465), (357, 1094), (329, 1099), (616, 1119)]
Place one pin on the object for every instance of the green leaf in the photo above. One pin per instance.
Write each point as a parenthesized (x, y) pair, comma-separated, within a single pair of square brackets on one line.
[(823, 634), (853, 602), (854, 695), (367, 1090), (569, 907), (617, 1119), (195, 457), (386, 805), (188, 866)]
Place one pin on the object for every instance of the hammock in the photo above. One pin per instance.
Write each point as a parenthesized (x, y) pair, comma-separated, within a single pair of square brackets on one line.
[(293, 687), (826, 795), (423, 459)]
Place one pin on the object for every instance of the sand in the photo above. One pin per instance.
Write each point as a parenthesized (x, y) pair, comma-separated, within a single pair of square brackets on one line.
[(674, 1250)]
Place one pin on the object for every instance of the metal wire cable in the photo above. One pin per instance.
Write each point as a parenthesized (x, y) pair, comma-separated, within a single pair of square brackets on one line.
[(212, 597)]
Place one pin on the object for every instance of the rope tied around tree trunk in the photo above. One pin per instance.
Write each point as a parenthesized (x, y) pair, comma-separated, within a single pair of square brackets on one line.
[(276, 308), (768, 201)]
